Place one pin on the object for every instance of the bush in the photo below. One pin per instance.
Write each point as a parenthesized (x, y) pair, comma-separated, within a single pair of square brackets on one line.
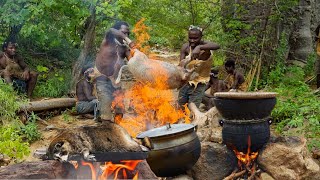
[(8, 103), (11, 142), (52, 84), (30, 131), (297, 109)]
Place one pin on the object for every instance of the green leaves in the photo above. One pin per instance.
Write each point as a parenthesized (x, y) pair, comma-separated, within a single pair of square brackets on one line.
[(11, 143)]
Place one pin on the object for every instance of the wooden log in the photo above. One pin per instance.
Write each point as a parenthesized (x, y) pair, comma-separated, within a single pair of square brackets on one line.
[(39, 170), (48, 104)]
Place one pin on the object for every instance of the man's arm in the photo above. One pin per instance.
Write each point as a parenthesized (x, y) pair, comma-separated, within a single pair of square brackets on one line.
[(207, 45), (204, 46), (120, 34), (239, 79), (183, 62), (2, 62), (22, 64), (88, 91), (26, 70)]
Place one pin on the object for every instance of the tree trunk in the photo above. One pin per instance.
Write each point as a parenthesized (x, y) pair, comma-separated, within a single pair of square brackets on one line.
[(88, 49), (301, 45)]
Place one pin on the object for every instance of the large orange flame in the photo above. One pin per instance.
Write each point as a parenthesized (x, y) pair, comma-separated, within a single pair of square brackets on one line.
[(112, 171), (152, 106), (246, 158), (142, 36)]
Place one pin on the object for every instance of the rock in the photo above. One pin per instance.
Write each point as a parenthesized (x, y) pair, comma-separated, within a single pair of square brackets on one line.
[(38, 170), (288, 158), (144, 171), (316, 154), (182, 177), (266, 176), (216, 162), (216, 135)]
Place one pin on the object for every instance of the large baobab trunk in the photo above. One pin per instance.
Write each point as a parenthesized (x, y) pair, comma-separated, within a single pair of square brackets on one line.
[(301, 45), (88, 48)]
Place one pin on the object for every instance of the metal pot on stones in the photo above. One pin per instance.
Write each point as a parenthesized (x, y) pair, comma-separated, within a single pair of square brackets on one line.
[(245, 114), (175, 148)]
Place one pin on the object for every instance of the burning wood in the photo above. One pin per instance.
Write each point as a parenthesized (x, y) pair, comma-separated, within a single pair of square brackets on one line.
[(247, 166), (108, 144)]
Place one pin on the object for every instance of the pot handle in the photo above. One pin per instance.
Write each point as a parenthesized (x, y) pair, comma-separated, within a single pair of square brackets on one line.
[(146, 141), (196, 128), (221, 122)]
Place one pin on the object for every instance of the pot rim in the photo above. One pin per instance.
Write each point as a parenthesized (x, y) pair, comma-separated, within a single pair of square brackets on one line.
[(245, 95), (169, 129)]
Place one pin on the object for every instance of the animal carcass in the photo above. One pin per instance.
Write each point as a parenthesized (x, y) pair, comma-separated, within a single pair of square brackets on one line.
[(154, 71), (88, 140)]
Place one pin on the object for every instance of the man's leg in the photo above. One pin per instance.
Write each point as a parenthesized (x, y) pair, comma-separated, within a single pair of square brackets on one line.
[(206, 102), (197, 94), (183, 96), (7, 76), (31, 83), (105, 92), (84, 107)]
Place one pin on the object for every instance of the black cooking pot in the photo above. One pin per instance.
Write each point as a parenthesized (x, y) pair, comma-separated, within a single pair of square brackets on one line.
[(245, 105), (174, 148), (245, 114), (235, 136)]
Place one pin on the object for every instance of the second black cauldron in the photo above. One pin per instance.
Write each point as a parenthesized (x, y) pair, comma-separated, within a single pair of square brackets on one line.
[(246, 114)]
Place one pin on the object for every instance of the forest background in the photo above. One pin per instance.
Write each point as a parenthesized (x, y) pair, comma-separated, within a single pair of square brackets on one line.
[(272, 42)]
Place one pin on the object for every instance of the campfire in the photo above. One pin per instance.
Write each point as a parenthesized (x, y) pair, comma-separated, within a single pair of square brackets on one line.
[(246, 128), (125, 169), (247, 166)]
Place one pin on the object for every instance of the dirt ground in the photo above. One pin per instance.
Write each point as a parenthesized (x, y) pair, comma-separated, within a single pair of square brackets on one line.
[(51, 128)]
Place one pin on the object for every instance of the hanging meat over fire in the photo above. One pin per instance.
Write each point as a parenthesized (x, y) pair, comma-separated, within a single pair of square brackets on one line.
[(151, 71)]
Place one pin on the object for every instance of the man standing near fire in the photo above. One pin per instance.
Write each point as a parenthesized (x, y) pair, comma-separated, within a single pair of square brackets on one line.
[(114, 48), (196, 54)]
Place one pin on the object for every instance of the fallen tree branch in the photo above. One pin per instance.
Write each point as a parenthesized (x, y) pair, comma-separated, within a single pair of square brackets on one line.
[(48, 104)]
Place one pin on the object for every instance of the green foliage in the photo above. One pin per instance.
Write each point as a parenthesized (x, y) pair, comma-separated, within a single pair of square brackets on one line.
[(66, 117), (52, 84), (11, 143), (275, 76), (297, 108), (30, 130), (8, 103), (309, 68)]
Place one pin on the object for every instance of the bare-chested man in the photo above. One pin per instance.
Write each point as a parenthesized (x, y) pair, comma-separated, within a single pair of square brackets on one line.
[(199, 53), (86, 100), (235, 80), (215, 85), (113, 50), (12, 67)]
